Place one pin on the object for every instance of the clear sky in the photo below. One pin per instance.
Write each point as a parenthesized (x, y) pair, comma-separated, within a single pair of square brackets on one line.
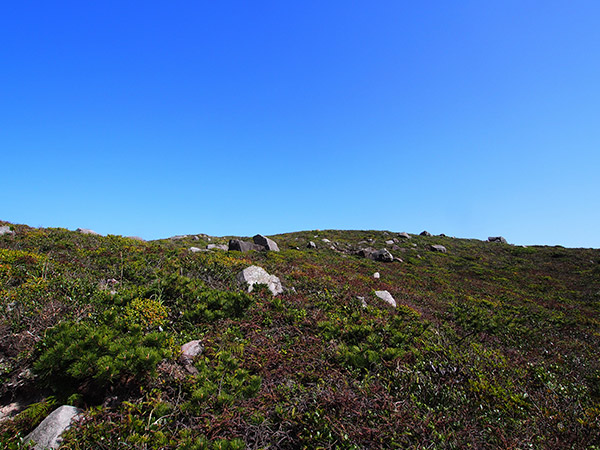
[(468, 118)]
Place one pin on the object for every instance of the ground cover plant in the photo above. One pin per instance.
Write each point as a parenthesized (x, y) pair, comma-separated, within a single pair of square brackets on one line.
[(490, 345)]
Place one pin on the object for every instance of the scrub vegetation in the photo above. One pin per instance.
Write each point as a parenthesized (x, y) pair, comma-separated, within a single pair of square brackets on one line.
[(490, 346)]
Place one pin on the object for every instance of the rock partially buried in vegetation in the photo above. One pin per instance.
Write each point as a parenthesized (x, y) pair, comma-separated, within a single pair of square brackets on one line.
[(404, 235), (376, 255), (499, 239), (438, 248), (257, 275), (217, 247), (195, 249), (6, 230), (87, 231), (386, 297), (267, 243), (48, 433), (425, 233), (189, 351), (382, 255), (311, 244)]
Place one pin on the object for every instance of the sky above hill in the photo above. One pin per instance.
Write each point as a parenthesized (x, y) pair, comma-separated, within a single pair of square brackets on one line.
[(471, 119)]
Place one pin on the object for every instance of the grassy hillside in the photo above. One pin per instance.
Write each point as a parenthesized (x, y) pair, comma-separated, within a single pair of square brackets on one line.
[(490, 346)]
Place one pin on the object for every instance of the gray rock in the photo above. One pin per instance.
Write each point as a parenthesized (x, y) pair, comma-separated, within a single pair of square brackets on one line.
[(382, 255), (425, 233), (499, 239), (366, 252), (6, 230), (136, 238), (243, 246), (404, 235), (327, 241), (48, 433), (311, 244), (376, 275), (257, 275), (195, 249), (217, 247), (362, 301), (386, 297), (87, 231), (267, 243), (438, 248), (389, 242), (189, 351), (178, 237)]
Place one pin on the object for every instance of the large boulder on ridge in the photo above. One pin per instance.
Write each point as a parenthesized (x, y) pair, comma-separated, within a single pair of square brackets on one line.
[(243, 246), (47, 434), (267, 243), (257, 275), (499, 239)]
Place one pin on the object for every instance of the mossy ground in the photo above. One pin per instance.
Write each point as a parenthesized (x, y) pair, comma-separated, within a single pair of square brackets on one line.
[(491, 345)]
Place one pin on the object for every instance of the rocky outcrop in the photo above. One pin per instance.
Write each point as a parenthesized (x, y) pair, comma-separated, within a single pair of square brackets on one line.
[(386, 297), (404, 235), (425, 233), (382, 255), (267, 243), (217, 247), (6, 230), (87, 231), (243, 246), (260, 243), (257, 275), (376, 255), (499, 239), (48, 434), (438, 248)]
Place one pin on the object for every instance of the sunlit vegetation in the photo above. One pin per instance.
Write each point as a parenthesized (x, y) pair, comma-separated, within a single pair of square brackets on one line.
[(491, 345)]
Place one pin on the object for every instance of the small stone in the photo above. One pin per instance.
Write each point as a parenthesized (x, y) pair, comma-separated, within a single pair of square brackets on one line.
[(386, 297), (362, 301), (327, 241), (195, 249), (425, 233), (311, 244), (190, 350), (389, 242), (404, 235), (376, 275)]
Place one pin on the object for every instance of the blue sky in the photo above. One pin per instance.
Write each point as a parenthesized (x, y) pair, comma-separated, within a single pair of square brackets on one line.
[(467, 118)]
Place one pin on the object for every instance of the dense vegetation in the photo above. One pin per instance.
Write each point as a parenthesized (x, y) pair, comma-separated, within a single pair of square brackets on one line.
[(491, 345)]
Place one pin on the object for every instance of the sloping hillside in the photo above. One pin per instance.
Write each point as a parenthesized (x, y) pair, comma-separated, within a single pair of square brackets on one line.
[(489, 345)]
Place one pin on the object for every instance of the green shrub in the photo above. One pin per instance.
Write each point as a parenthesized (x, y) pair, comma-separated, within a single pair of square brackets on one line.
[(99, 355)]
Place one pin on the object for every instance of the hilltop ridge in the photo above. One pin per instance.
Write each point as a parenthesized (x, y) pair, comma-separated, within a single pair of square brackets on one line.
[(485, 345)]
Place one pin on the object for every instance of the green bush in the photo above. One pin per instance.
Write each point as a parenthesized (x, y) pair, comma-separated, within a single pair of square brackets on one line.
[(99, 355)]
